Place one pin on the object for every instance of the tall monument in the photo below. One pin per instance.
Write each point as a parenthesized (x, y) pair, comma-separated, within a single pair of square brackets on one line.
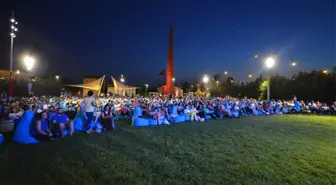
[(169, 88), (170, 64)]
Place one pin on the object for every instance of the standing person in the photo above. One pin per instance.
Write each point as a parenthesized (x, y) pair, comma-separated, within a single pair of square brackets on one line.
[(89, 102)]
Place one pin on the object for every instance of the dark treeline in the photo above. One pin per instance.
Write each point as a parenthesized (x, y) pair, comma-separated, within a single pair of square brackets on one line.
[(313, 85)]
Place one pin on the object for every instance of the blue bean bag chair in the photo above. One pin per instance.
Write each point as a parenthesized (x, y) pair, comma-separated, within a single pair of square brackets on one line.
[(186, 117), (2, 139), (99, 127), (153, 122), (80, 121), (176, 118), (21, 133), (65, 132), (137, 121), (235, 114)]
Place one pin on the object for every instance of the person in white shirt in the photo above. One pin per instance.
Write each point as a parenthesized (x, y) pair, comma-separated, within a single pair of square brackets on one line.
[(89, 103)]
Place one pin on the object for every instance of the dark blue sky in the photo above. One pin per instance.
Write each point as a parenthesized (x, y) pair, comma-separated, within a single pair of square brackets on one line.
[(130, 37)]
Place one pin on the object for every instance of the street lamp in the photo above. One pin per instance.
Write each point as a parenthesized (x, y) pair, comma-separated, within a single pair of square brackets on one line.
[(250, 76), (325, 71), (225, 72), (293, 64), (205, 79), (269, 63), (12, 36), (173, 79), (17, 71), (29, 62), (122, 78), (146, 85), (57, 77)]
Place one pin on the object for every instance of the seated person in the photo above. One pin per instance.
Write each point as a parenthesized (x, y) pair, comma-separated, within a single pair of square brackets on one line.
[(60, 120), (193, 114), (325, 109), (106, 118), (71, 113), (41, 131)]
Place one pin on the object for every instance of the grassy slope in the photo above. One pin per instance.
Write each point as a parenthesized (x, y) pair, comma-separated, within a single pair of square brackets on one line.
[(251, 150)]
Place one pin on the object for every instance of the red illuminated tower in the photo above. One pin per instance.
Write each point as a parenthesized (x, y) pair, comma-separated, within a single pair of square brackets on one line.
[(169, 88)]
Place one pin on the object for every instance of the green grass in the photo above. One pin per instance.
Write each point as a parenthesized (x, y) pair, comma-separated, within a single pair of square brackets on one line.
[(294, 149)]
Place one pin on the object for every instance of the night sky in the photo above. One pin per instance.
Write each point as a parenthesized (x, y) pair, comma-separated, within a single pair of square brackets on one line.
[(75, 38)]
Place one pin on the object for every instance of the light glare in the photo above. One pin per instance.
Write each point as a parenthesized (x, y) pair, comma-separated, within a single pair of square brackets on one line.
[(29, 62), (270, 61), (205, 79)]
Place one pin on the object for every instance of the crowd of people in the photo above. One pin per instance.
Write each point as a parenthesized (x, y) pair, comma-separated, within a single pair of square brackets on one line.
[(54, 115)]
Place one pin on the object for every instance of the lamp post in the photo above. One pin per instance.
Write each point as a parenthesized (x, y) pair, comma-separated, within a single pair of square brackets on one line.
[(146, 85), (269, 63), (205, 81), (29, 63), (57, 77), (13, 29), (122, 79)]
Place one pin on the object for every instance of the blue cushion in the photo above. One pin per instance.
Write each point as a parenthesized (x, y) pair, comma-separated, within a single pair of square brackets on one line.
[(178, 119), (153, 122), (79, 121), (136, 121), (186, 117), (235, 114), (140, 122), (137, 111), (1, 138), (21, 133), (99, 127), (174, 110), (207, 117)]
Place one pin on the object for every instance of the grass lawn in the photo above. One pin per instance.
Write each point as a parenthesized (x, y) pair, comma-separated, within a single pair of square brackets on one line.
[(293, 149)]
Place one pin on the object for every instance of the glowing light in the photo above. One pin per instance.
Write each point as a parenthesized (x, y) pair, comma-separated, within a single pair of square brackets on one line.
[(15, 29), (192, 86), (269, 62), (250, 76), (225, 72), (29, 62), (12, 27), (173, 79), (17, 71), (12, 20), (57, 77), (205, 79), (325, 71), (122, 79), (146, 85), (255, 56), (294, 64)]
